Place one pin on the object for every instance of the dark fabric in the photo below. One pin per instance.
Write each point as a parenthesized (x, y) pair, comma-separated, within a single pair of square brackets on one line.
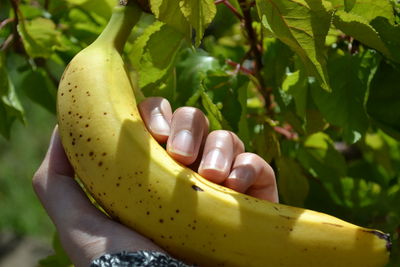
[(137, 259)]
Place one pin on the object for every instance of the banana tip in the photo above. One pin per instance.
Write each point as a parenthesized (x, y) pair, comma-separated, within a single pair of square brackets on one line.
[(383, 236)]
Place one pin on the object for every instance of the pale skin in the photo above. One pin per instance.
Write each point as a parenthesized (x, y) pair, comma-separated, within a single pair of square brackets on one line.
[(219, 156)]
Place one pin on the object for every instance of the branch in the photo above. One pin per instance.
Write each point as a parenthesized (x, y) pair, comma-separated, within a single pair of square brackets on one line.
[(231, 8), (256, 51), (239, 67), (18, 45), (7, 43), (5, 22), (46, 4)]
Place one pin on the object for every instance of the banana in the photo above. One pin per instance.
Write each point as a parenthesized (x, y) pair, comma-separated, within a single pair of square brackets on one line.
[(137, 183)]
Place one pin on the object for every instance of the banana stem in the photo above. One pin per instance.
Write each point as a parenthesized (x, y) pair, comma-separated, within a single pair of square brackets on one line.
[(117, 31)]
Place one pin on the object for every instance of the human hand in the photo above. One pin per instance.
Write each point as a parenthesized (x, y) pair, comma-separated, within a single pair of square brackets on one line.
[(86, 233)]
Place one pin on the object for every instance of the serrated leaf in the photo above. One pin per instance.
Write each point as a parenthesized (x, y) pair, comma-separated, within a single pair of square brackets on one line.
[(170, 12), (153, 53), (303, 26), (344, 106), (10, 106), (384, 99), (292, 183), (199, 13), (40, 37)]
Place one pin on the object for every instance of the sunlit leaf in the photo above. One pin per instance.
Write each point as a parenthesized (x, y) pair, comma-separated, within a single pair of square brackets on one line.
[(344, 105), (303, 26), (40, 37), (152, 60), (169, 11), (199, 13)]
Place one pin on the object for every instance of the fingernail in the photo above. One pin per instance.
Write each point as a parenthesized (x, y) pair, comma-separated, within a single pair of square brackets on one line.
[(240, 179), (158, 124), (182, 143), (243, 174), (214, 160)]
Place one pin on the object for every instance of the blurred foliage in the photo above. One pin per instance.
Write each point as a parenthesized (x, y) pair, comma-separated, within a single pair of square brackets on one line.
[(310, 85)]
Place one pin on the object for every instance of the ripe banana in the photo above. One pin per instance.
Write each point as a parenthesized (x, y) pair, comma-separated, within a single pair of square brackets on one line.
[(133, 178)]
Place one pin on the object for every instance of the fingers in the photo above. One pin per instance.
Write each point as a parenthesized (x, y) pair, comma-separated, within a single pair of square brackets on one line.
[(183, 131), (189, 126), (157, 114), (220, 153), (224, 162), (254, 176), (220, 150)]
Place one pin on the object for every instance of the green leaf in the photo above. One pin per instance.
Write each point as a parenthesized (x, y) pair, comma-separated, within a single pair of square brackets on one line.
[(297, 86), (153, 53), (59, 258), (292, 183), (324, 162), (367, 9), (266, 143), (297, 105), (10, 106), (223, 89), (213, 112), (349, 4), (169, 11), (344, 105), (303, 26), (383, 99), (277, 58), (40, 37), (390, 35), (200, 14), (86, 26), (30, 11), (191, 69), (359, 28), (40, 89), (102, 8)]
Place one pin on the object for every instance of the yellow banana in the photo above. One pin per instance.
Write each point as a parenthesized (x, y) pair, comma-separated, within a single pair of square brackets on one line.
[(133, 178)]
